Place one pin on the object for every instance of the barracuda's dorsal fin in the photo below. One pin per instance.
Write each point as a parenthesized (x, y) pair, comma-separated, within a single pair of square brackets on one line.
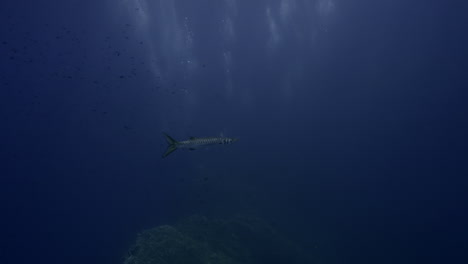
[(192, 138)]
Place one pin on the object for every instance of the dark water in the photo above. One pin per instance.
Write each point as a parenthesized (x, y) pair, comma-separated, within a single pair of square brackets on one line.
[(351, 115)]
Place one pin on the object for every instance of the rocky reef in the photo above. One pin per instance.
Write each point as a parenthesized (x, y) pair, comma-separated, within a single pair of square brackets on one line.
[(201, 240)]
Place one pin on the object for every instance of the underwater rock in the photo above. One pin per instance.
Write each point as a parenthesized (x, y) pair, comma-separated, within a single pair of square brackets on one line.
[(200, 240)]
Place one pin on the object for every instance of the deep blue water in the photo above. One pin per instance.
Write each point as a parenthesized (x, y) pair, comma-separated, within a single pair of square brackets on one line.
[(351, 118)]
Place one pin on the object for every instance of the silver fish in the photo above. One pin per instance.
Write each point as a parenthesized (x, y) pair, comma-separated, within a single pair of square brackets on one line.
[(193, 143)]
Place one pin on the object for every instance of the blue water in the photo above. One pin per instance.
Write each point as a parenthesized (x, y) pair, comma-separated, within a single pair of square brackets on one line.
[(351, 118)]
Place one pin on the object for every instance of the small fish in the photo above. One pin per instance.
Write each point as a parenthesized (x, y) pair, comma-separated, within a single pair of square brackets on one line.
[(192, 143)]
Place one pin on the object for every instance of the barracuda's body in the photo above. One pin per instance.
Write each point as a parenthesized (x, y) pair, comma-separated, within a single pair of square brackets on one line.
[(194, 143)]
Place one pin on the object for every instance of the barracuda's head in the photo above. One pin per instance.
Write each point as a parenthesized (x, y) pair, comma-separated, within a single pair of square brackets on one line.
[(229, 140)]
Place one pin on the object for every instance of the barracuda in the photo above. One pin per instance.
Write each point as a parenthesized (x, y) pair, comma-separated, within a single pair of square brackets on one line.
[(193, 143)]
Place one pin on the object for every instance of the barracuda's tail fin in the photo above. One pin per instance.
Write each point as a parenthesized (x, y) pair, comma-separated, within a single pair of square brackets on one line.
[(172, 145)]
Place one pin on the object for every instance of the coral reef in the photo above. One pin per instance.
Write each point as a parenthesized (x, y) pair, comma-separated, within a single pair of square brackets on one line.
[(200, 240)]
